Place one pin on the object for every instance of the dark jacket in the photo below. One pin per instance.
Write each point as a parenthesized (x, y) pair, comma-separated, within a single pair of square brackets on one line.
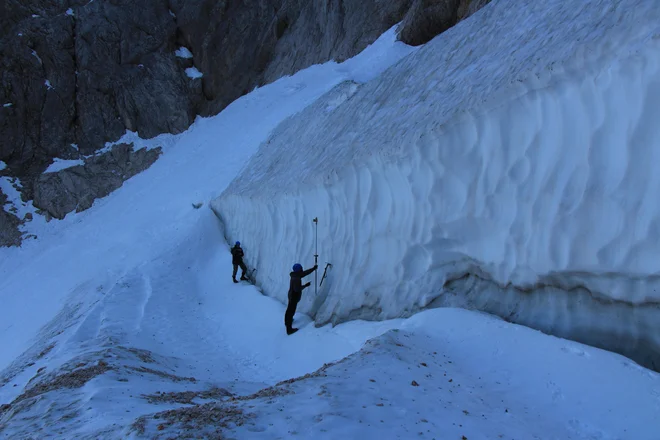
[(237, 255), (295, 285)]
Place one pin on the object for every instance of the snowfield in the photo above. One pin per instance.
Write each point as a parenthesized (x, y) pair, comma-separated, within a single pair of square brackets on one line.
[(513, 157), (122, 321)]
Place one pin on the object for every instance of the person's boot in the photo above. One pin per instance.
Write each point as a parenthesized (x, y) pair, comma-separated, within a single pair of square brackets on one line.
[(291, 330), (234, 279), (243, 277)]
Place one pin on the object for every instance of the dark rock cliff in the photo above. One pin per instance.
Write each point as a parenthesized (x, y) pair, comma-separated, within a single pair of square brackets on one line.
[(75, 74)]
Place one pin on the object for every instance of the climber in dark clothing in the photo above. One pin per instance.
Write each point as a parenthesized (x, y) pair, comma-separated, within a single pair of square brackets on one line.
[(296, 288), (237, 260)]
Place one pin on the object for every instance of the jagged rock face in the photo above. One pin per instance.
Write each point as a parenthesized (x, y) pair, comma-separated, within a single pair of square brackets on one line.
[(128, 75), (231, 45), (238, 47), (428, 18), (86, 76), (76, 74), (311, 32), (35, 120)]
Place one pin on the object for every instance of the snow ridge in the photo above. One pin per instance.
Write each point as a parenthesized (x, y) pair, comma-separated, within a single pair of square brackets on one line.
[(531, 171)]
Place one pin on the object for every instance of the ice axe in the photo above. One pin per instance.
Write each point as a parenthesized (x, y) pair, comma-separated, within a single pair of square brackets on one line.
[(251, 275), (325, 272)]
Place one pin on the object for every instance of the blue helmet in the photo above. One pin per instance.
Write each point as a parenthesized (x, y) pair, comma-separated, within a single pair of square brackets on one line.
[(238, 243), (297, 267)]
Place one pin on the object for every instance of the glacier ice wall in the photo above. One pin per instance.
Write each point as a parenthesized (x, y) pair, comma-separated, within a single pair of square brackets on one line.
[(510, 165)]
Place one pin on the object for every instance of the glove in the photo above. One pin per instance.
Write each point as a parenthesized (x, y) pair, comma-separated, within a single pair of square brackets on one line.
[(316, 266), (307, 285)]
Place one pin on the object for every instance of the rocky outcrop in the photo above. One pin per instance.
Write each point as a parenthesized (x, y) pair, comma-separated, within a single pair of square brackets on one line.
[(128, 75), (77, 187), (469, 7), (314, 32), (85, 76), (428, 18), (9, 233), (76, 74)]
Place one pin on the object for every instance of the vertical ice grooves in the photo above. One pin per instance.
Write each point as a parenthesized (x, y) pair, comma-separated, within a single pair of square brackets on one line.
[(518, 172)]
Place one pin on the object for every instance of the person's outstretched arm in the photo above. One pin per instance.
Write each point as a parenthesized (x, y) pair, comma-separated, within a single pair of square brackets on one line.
[(308, 271)]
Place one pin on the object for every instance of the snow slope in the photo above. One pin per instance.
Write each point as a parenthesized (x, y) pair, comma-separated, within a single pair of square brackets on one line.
[(173, 323), (143, 269), (151, 215), (516, 150), (451, 374)]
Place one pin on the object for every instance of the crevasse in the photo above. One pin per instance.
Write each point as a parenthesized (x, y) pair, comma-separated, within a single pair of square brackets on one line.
[(510, 165)]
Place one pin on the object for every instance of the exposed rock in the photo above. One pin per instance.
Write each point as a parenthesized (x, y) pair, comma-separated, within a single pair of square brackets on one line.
[(9, 233), (128, 74), (73, 379), (469, 7), (308, 33), (162, 374), (206, 421), (39, 84), (77, 187), (426, 19), (231, 43), (85, 77), (187, 397)]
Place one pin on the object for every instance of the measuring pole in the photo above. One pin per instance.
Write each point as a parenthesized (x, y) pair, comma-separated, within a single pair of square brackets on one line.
[(316, 255)]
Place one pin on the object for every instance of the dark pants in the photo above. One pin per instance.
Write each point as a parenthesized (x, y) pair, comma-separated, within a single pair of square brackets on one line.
[(243, 268), (294, 299)]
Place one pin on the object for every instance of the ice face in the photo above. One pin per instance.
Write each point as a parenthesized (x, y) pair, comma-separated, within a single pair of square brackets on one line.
[(508, 166)]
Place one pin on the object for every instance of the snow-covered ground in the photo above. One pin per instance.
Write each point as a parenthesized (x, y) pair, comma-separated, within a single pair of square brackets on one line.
[(122, 321), (519, 147), (454, 374), (62, 164)]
